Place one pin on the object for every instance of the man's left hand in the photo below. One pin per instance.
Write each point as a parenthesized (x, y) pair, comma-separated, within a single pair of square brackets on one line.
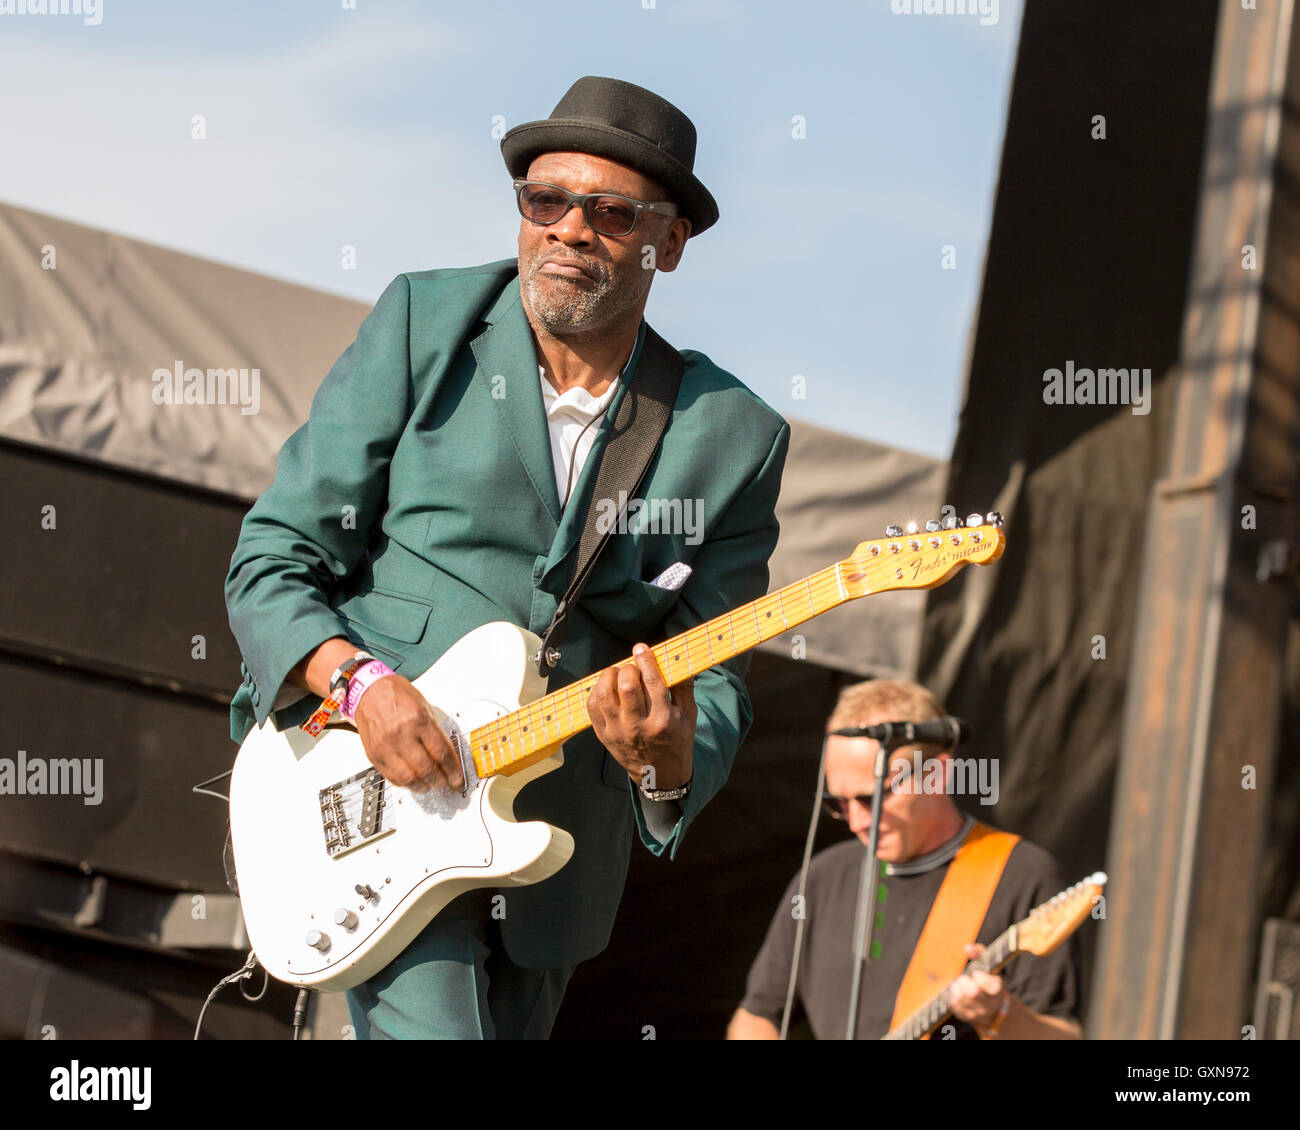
[(648, 727), (975, 996)]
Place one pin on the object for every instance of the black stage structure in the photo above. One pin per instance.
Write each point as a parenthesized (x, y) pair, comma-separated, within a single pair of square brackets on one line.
[(1134, 655)]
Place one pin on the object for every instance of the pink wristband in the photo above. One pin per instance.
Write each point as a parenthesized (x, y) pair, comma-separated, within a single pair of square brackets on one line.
[(361, 681)]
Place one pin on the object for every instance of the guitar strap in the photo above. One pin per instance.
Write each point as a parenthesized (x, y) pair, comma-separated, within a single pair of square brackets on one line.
[(639, 426), (955, 917)]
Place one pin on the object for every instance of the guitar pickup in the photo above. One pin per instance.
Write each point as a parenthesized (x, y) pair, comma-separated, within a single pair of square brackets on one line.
[(354, 812)]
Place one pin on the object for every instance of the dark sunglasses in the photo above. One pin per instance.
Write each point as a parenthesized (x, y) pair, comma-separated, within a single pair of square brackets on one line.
[(837, 807), (605, 213)]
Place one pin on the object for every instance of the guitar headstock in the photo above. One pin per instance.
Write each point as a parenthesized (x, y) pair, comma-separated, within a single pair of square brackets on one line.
[(916, 558), (1051, 923)]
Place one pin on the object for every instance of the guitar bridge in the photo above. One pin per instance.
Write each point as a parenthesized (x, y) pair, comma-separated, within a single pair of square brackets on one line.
[(354, 812)]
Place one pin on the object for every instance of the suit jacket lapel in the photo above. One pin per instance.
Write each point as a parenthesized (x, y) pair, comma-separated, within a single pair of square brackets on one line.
[(575, 511), (505, 350)]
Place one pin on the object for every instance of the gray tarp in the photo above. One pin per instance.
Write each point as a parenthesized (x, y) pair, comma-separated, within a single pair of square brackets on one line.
[(87, 318)]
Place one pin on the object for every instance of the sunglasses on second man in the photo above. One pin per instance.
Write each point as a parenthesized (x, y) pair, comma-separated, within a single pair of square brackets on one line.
[(605, 212), (837, 807)]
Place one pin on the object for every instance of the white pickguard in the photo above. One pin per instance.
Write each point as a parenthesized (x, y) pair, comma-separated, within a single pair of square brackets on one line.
[(433, 847)]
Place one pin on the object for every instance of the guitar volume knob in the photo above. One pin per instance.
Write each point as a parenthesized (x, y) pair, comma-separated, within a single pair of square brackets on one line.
[(345, 918), (318, 940)]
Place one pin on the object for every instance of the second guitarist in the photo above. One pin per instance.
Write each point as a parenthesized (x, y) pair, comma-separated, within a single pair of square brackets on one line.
[(921, 833)]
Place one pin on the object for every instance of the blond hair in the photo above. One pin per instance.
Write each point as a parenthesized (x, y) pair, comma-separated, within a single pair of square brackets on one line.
[(902, 700)]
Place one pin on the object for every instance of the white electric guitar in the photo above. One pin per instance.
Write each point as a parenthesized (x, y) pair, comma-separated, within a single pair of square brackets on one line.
[(339, 869)]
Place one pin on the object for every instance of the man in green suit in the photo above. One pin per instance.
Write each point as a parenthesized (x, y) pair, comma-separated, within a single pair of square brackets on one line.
[(443, 481)]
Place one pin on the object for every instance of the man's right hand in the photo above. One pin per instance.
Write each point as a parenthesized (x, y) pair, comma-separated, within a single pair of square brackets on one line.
[(398, 730), (402, 737)]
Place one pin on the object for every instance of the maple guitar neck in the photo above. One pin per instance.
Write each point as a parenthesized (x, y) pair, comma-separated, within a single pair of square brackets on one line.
[(515, 739), (900, 561)]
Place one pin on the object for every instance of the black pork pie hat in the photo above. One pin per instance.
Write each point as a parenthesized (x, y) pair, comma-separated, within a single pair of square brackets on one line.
[(626, 123)]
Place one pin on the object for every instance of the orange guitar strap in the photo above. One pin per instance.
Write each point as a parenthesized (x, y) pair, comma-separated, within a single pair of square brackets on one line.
[(955, 917)]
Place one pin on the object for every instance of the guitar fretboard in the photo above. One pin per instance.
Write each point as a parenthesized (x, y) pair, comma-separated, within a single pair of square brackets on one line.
[(931, 1014), (521, 735)]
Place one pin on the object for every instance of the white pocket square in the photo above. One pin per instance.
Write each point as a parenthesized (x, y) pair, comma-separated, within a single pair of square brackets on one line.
[(673, 577)]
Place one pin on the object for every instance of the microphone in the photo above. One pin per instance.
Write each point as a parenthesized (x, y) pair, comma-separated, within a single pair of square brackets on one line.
[(948, 732)]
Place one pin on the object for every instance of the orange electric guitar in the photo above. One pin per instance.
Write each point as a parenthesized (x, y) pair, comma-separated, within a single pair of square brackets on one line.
[(1046, 928)]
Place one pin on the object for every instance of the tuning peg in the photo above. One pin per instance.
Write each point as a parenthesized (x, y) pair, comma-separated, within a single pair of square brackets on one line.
[(932, 527), (913, 528), (993, 518), (975, 519), (952, 522), (893, 531)]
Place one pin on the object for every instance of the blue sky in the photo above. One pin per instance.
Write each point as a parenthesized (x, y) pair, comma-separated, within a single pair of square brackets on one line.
[(373, 126)]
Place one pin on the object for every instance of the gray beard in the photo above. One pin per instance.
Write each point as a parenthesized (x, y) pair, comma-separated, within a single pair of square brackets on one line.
[(574, 310)]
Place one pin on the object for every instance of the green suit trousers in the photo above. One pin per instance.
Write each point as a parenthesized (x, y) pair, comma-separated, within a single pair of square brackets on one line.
[(456, 982)]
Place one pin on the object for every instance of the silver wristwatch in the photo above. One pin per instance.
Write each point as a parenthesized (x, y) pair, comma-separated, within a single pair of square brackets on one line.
[(664, 794)]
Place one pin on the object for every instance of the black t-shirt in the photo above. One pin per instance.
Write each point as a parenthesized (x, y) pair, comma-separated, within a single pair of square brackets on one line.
[(1047, 985)]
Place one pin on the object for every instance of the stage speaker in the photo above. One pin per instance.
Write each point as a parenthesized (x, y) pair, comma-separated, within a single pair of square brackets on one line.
[(1277, 995)]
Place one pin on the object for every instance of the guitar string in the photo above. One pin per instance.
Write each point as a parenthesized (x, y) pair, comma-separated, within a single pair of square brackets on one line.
[(878, 569), (502, 732), (510, 731)]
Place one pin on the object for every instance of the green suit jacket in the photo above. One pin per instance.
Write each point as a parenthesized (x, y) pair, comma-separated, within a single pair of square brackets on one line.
[(419, 502)]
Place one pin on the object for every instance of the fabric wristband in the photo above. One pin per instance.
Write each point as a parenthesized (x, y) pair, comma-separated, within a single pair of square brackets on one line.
[(315, 725), (362, 679)]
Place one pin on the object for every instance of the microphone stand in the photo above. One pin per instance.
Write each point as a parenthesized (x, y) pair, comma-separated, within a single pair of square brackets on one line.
[(897, 736)]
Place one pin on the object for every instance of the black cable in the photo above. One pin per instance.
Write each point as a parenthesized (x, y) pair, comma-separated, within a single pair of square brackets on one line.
[(241, 974), (803, 905), (300, 1012), (266, 983), (202, 787)]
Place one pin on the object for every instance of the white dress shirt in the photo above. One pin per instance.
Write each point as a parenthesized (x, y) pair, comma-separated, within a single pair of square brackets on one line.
[(571, 419)]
